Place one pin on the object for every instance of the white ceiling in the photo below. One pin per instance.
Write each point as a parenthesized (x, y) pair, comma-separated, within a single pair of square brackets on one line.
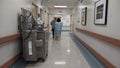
[(69, 3)]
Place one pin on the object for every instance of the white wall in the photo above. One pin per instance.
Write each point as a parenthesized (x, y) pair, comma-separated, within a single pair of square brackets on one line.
[(66, 20), (9, 10), (108, 51)]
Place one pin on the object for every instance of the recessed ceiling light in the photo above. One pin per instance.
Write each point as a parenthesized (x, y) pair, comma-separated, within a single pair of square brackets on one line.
[(60, 6)]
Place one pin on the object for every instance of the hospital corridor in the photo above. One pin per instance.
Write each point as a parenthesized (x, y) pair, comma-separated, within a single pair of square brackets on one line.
[(62, 54), (59, 34)]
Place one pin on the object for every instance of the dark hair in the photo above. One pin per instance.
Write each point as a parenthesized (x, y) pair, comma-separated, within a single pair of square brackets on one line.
[(58, 20)]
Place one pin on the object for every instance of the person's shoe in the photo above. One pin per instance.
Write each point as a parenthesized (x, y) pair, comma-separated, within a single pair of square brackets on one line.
[(55, 38), (59, 38)]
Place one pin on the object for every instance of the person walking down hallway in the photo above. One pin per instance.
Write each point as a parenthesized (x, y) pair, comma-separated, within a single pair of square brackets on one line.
[(53, 26), (58, 29)]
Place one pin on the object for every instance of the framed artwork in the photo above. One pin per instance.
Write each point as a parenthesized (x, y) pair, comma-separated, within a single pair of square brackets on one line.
[(84, 16), (100, 12)]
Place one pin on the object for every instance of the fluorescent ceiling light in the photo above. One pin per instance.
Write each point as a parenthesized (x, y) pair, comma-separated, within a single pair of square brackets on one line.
[(60, 6)]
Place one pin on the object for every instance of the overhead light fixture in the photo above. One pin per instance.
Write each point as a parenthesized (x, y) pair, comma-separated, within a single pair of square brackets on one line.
[(60, 6)]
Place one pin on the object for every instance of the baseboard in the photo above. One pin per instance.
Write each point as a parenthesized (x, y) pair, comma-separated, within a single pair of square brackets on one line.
[(11, 61)]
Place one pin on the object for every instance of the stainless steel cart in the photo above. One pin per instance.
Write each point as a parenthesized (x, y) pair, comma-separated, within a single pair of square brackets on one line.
[(35, 44), (35, 38)]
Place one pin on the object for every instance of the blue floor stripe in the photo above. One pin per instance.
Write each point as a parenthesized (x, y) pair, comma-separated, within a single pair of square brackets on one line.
[(20, 63), (91, 59)]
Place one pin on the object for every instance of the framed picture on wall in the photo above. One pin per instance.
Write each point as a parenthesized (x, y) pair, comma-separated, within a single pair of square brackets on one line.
[(100, 12), (84, 16)]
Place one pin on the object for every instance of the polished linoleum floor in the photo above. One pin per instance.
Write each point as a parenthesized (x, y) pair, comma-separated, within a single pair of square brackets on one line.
[(62, 54)]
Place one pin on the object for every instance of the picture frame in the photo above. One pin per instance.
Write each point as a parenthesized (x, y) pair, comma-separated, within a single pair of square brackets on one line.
[(100, 12), (84, 16)]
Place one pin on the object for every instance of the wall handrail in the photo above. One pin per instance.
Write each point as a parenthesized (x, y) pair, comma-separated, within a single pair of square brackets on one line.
[(113, 41), (9, 38)]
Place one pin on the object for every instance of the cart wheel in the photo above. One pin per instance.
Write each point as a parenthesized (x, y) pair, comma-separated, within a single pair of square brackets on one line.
[(43, 59), (46, 54)]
